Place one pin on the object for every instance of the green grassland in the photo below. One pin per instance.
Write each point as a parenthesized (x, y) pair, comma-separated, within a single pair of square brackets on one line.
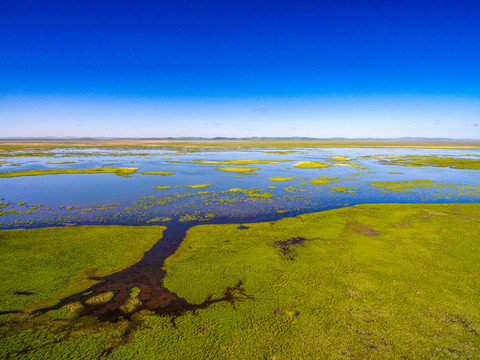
[(368, 281), (56, 262), (101, 170)]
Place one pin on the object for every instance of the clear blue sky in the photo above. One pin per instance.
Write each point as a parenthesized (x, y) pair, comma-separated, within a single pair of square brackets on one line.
[(246, 68)]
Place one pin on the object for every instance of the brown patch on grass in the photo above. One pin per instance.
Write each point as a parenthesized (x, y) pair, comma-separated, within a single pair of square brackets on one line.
[(24, 293), (431, 213), (285, 246), (357, 228), (354, 293), (286, 315), (465, 219), (404, 225)]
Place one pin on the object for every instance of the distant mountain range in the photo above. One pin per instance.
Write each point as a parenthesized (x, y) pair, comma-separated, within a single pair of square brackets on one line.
[(254, 138)]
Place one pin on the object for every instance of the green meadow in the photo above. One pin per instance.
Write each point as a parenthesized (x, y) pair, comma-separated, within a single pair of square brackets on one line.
[(51, 263), (368, 281)]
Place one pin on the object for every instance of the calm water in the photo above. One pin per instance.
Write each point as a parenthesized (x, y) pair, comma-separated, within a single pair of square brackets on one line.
[(110, 199)]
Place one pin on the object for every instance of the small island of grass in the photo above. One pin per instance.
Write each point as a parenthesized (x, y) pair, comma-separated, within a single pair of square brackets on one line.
[(198, 186), (101, 170), (241, 170), (239, 162), (323, 180), (59, 162), (310, 165), (157, 173), (282, 178)]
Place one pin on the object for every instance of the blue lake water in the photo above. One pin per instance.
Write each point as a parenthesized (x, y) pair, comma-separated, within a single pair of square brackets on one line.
[(55, 200)]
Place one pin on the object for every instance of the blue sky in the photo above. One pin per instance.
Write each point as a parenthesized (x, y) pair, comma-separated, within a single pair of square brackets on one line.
[(250, 68)]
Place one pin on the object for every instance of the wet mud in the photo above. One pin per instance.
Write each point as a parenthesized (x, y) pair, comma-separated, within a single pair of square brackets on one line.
[(24, 293), (286, 246), (146, 275)]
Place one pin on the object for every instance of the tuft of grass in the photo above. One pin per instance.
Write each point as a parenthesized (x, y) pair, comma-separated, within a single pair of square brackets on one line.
[(407, 185), (100, 298), (282, 178), (159, 219), (69, 311), (323, 180), (132, 302), (310, 165), (59, 162), (199, 186), (347, 164), (341, 158), (239, 162), (157, 173), (241, 170), (343, 189)]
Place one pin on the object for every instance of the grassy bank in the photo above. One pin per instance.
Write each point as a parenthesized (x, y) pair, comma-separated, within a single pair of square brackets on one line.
[(368, 281)]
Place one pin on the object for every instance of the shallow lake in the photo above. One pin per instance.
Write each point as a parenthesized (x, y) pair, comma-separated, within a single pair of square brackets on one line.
[(354, 176)]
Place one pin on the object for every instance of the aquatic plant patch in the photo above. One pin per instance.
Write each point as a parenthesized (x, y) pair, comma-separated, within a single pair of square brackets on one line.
[(157, 173), (238, 162), (323, 180), (310, 165), (241, 170), (282, 178)]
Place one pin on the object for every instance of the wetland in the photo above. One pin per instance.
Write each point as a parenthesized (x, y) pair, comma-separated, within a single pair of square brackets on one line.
[(292, 250)]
